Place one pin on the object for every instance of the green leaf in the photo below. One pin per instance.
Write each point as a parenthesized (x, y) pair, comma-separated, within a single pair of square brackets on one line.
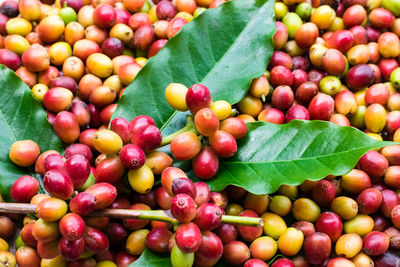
[(224, 48), (152, 259), (271, 155), (21, 118)]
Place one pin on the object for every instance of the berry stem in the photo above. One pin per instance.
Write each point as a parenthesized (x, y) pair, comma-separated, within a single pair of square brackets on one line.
[(189, 127), (153, 215)]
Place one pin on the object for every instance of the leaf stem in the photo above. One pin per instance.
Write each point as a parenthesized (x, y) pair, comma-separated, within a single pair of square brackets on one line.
[(152, 215), (189, 127)]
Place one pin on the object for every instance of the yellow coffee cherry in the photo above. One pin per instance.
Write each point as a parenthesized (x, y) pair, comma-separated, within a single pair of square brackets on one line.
[(135, 244), (106, 264), (291, 241), (141, 180), (38, 91), (99, 65), (141, 61), (107, 142), (361, 224), (274, 225), (3, 245), (59, 52), (18, 26), (222, 108), (58, 261), (175, 93), (349, 245), (250, 105)]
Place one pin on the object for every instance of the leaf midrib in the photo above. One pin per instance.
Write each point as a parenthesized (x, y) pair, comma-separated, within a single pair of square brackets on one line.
[(386, 143)]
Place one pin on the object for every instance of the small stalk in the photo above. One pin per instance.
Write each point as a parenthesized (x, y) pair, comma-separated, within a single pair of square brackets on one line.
[(190, 127), (152, 215)]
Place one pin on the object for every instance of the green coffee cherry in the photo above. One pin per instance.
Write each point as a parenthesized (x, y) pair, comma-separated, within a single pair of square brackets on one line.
[(180, 259), (395, 78), (280, 10), (304, 10), (292, 22)]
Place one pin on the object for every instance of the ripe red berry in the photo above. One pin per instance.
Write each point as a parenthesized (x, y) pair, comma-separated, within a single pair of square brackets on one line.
[(223, 144), (197, 97), (208, 216), (24, 188), (183, 208), (183, 186), (188, 237), (132, 156), (58, 184), (148, 139)]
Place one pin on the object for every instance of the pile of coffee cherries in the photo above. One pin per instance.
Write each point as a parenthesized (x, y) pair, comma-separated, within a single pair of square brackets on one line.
[(334, 60)]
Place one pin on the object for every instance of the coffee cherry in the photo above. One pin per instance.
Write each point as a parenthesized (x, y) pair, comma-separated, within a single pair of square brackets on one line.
[(82, 204), (197, 97), (376, 243), (148, 139), (208, 216), (78, 149), (77, 168), (157, 239), (122, 128), (104, 193), (234, 126), (175, 93), (51, 209), (27, 256), (44, 231), (207, 122), (132, 156), (183, 186), (58, 184), (71, 250), (139, 123), (24, 153), (223, 144), (107, 142), (95, 240), (179, 258), (188, 237), (203, 193), (317, 248), (236, 253), (24, 188), (210, 251), (329, 223), (206, 163), (168, 175), (135, 224), (72, 227), (136, 242), (141, 180), (183, 208), (185, 146), (255, 263), (53, 162)]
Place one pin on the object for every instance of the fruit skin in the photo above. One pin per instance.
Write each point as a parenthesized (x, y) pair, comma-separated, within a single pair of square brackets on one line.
[(58, 184), (369, 201), (317, 247), (104, 193), (71, 250), (77, 168), (24, 153), (197, 97), (223, 144), (185, 146), (175, 93), (236, 253), (141, 180), (376, 243), (330, 224), (181, 259), (66, 127), (24, 188), (82, 204), (207, 122), (157, 239), (167, 177), (148, 139), (290, 241), (210, 251), (95, 240), (373, 163), (51, 209), (36, 58), (183, 208), (107, 142), (72, 227), (208, 216), (321, 107), (188, 237)]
